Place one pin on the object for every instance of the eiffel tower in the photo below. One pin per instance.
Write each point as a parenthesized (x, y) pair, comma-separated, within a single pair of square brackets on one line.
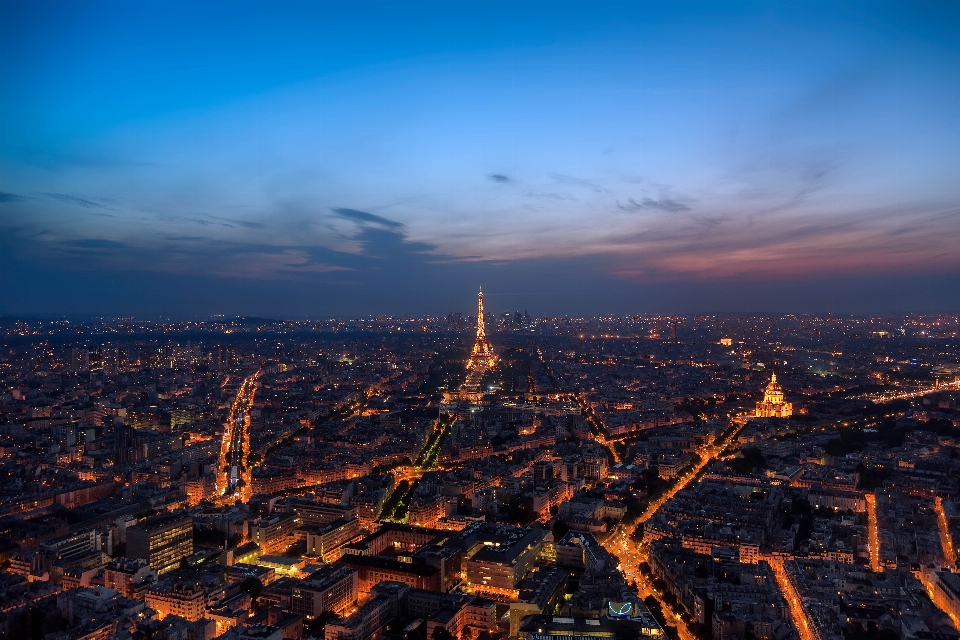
[(481, 358)]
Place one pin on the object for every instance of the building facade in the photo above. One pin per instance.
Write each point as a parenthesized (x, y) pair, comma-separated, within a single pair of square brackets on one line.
[(163, 541)]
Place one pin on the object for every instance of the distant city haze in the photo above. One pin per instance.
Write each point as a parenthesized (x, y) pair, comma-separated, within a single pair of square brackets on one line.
[(312, 160)]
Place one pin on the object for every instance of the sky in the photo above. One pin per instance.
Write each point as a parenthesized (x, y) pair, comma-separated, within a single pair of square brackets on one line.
[(286, 160)]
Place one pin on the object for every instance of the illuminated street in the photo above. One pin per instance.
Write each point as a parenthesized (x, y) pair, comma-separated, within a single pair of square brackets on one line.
[(892, 396), (797, 612), (631, 555), (873, 534), (235, 445), (946, 540)]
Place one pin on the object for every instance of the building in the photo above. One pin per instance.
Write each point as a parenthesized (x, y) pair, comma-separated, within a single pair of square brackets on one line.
[(837, 499), (72, 548), (325, 541), (544, 627), (162, 541), (571, 550), (502, 559), (243, 571), (542, 589), (945, 593), (91, 612), (332, 588), (189, 601), (370, 619), (130, 578), (275, 534), (391, 537), (372, 570), (426, 511), (319, 513), (200, 489), (452, 611), (773, 405)]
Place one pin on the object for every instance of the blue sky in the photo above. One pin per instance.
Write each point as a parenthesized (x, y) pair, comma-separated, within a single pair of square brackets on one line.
[(314, 159)]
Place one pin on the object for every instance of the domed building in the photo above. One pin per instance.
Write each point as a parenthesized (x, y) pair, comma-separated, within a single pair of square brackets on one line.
[(773, 405)]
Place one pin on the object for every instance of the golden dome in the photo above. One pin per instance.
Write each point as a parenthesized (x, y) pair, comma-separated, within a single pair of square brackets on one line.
[(774, 392), (773, 405)]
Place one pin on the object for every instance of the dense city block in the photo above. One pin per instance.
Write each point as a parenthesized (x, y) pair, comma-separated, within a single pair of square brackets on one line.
[(494, 476)]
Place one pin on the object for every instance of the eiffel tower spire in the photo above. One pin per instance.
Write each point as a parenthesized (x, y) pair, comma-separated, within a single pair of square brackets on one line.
[(481, 331), (481, 357)]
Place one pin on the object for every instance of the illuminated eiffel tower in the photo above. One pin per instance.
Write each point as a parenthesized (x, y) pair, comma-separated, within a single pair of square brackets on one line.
[(481, 358)]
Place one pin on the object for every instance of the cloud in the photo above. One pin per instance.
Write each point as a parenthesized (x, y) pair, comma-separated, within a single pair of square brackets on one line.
[(573, 180), (499, 177), (547, 196), (10, 197), (375, 246), (788, 179), (813, 177), (710, 221), (663, 204), (273, 264), (242, 223), (363, 216), (96, 243), (230, 223), (896, 238), (63, 197)]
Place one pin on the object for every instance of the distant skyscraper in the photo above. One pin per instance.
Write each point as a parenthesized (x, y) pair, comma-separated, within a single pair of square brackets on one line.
[(773, 405)]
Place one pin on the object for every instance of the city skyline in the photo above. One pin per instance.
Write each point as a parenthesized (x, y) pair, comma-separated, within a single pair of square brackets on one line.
[(318, 160), (627, 477), (435, 320)]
